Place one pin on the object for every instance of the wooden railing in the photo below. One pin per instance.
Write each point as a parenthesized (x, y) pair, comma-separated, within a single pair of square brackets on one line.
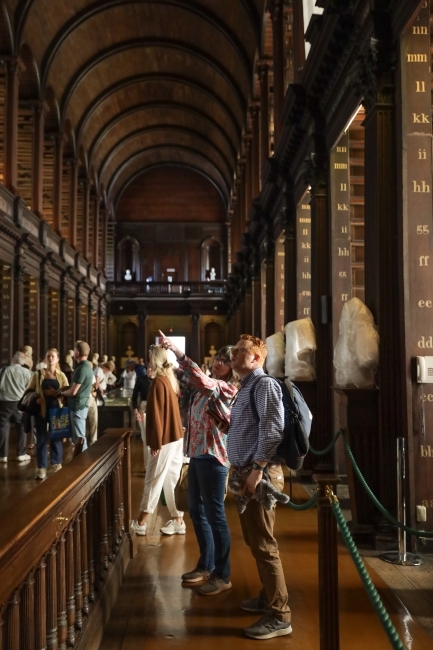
[(174, 289), (64, 549)]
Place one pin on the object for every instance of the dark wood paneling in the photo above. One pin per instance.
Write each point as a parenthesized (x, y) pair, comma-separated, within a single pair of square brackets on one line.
[(171, 194)]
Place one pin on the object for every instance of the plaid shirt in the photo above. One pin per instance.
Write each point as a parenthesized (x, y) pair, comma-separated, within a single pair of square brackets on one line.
[(249, 440)]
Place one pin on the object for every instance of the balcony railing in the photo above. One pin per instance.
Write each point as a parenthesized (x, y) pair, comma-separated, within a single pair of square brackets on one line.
[(133, 289), (64, 549)]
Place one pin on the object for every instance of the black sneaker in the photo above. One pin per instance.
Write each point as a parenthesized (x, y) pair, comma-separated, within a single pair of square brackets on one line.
[(255, 605), (268, 627)]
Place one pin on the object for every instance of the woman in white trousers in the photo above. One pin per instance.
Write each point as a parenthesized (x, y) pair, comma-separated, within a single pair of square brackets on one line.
[(164, 437)]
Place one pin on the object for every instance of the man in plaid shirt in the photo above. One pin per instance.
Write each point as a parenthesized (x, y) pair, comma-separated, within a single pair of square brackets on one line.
[(251, 450)]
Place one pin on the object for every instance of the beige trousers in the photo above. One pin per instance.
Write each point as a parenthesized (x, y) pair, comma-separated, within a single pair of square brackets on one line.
[(92, 421)]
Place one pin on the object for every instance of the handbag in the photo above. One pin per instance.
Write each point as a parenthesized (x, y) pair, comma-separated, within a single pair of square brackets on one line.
[(29, 403), (181, 489), (59, 423)]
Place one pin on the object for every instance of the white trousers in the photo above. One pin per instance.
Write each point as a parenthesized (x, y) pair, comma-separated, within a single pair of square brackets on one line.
[(163, 472), (146, 452)]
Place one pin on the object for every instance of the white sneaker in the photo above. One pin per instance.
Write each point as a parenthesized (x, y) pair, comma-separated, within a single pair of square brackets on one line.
[(24, 457), (4, 459), (139, 530), (56, 467), (173, 528), (41, 473)]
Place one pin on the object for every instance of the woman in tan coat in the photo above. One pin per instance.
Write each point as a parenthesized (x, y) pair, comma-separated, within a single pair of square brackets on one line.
[(47, 382), (164, 437)]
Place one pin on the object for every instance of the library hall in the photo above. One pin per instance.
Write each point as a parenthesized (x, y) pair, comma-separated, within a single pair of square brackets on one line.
[(216, 336)]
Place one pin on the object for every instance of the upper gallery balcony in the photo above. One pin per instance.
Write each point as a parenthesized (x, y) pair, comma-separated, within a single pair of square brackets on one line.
[(166, 290)]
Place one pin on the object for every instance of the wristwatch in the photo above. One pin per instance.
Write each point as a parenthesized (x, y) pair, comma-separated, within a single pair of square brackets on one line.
[(257, 466)]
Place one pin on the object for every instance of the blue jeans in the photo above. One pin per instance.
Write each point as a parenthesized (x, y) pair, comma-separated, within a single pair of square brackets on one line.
[(206, 488), (41, 445), (78, 423)]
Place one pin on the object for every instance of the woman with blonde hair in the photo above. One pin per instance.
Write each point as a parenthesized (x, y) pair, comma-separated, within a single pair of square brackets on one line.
[(47, 382), (164, 436)]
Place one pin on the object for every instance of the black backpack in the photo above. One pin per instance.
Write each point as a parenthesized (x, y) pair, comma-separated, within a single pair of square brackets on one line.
[(297, 423)]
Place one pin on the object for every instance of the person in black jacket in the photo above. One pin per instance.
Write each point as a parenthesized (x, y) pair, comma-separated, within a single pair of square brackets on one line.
[(141, 389)]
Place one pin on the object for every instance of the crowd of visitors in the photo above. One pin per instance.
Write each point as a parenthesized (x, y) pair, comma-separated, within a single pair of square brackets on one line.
[(218, 430), (30, 391)]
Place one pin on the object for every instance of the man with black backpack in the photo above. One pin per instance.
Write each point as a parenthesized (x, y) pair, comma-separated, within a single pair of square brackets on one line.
[(252, 445)]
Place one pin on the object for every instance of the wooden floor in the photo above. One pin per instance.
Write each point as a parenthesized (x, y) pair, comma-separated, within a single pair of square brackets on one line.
[(18, 479), (153, 610)]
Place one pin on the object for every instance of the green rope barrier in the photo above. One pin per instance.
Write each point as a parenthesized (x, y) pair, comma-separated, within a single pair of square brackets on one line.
[(303, 506), (371, 590), (379, 506), (323, 452), (388, 515)]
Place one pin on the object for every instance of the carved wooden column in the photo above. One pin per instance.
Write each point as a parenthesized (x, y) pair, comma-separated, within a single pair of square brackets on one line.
[(86, 248), (383, 279), (255, 145), (52, 643), (103, 533), (62, 626), (257, 306), (90, 541), (27, 614), (298, 39), (43, 312), (40, 110), (321, 302), (269, 249), (235, 232), (12, 635), (78, 585), (263, 70), (70, 595), (110, 511), (73, 196), (103, 243), (142, 338), (248, 309), (290, 259), (40, 606), (248, 175), (18, 301), (63, 316), (13, 68), (96, 218), (59, 140), (242, 200), (195, 339), (277, 13)]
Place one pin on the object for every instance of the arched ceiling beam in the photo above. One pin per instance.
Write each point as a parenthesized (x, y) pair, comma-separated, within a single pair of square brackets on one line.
[(255, 19), (224, 185), (145, 170), (155, 76), (6, 32), (24, 7), (85, 69), (162, 127), (137, 108)]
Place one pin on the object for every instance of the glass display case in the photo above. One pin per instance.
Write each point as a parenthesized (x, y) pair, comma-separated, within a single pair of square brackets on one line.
[(117, 413)]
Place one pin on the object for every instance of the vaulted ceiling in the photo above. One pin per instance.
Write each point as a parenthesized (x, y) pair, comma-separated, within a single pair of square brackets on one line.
[(137, 84)]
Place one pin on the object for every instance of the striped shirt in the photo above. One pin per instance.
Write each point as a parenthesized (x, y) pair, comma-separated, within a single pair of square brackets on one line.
[(249, 440)]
